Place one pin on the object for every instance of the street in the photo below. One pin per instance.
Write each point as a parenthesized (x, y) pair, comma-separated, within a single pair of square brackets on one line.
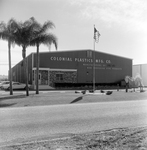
[(21, 123)]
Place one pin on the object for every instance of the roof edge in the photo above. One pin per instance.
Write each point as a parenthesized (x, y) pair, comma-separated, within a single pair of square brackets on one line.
[(83, 50)]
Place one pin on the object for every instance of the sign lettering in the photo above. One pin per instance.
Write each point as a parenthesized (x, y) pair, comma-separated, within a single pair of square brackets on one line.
[(83, 60)]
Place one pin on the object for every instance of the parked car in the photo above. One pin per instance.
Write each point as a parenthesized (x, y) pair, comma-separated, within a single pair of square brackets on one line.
[(15, 86), (4, 83)]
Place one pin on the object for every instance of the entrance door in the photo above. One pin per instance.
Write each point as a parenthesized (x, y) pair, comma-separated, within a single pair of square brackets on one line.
[(89, 76), (39, 79)]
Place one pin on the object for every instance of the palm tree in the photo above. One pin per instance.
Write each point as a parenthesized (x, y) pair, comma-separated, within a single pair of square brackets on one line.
[(24, 34), (7, 33), (41, 37)]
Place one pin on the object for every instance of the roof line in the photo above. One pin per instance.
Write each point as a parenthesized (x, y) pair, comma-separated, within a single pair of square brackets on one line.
[(82, 50)]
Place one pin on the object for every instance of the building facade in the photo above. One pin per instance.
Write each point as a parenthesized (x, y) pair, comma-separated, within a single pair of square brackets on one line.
[(74, 68)]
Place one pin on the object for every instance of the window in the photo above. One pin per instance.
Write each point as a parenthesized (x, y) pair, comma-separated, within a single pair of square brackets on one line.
[(59, 77)]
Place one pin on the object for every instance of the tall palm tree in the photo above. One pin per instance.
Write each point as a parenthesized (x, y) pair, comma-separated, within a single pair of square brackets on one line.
[(7, 33), (24, 34), (42, 37)]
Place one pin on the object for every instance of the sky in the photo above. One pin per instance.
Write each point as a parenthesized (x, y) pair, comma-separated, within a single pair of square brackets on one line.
[(121, 23)]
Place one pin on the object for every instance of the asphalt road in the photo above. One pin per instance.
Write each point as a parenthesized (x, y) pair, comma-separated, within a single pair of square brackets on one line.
[(17, 124)]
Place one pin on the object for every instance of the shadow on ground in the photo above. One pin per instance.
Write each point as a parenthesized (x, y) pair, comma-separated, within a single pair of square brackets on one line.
[(77, 99), (7, 105)]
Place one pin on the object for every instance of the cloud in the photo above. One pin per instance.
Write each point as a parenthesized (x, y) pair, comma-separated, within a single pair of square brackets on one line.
[(131, 13)]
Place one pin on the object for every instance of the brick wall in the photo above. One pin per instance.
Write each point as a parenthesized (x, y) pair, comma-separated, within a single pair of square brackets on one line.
[(62, 77)]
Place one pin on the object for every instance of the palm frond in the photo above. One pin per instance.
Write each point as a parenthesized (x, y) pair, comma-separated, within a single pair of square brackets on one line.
[(51, 39), (2, 26), (24, 33), (4, 35), (46, 39), (39, 35), (6, 32), (28, 33), (47, 25)]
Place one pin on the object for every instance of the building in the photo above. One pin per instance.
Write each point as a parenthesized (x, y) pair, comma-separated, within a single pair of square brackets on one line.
[(141, 69), (74, 68)]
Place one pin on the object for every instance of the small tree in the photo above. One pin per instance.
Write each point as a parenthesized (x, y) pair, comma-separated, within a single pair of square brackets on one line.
[(24, 34), (7, 33), (42, 37)]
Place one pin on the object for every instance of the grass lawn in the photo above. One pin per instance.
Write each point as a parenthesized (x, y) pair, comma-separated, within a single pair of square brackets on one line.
[(69, 97)]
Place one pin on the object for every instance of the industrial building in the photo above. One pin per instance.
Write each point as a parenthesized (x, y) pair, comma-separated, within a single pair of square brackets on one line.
[(74, 68)]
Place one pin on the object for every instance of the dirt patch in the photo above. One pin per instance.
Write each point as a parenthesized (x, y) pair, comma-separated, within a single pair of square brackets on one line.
[(114, 139)]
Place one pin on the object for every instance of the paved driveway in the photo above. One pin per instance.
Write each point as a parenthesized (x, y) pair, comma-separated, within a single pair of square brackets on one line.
[(41, 121)]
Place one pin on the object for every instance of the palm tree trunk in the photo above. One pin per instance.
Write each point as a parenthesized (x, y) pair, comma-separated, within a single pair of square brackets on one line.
[(26, 69), (10, 70), (37, 71)]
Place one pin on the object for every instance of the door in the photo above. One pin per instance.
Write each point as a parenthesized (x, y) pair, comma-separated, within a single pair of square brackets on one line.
[(89, 76), (39, 79)]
